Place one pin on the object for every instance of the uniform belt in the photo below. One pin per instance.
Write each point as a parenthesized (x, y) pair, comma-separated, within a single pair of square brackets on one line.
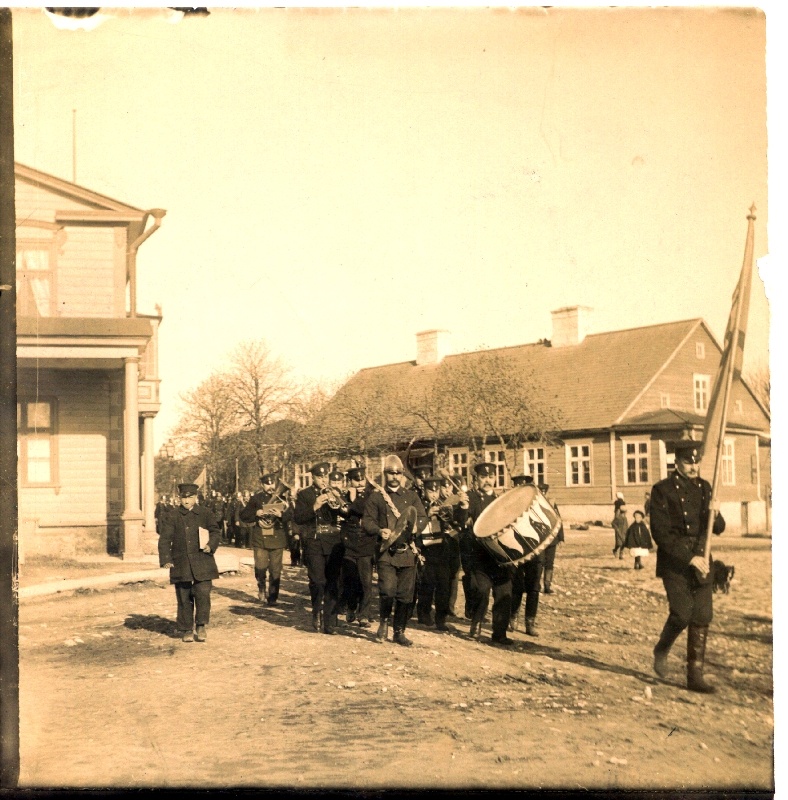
[(326, 529), (397, 549)]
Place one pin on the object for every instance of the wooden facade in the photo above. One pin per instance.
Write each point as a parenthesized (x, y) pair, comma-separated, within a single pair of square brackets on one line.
[(87, 372), (623, 396)]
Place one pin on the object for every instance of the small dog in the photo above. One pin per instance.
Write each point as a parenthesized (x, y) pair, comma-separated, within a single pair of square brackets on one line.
[(722, 575)]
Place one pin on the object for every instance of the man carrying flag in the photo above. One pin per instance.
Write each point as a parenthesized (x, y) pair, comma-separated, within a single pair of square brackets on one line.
[(684, 507)]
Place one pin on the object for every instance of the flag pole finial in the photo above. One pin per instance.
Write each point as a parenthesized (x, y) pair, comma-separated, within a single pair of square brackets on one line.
[(751, 215)]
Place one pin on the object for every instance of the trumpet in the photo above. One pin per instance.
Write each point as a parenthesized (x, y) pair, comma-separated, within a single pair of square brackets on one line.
[(335, 498)]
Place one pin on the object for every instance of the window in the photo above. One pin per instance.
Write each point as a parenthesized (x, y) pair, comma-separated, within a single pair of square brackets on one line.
[(303, 476), (458, 463), (578, 465), (497, 457), (636, 461), (700, 350), (534, 463), (34, 262), (664, 400), (36, 429), (701, 386), (728, 463), (739, 407)]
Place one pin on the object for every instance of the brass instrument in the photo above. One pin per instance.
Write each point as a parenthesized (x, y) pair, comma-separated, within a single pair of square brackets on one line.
[(335, 498), (277, 502)]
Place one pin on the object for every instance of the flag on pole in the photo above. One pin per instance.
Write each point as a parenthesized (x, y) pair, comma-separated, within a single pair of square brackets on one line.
[(730, 365), (202, 479)]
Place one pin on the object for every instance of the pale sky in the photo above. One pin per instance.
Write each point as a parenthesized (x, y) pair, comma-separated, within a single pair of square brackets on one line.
[(337, 180)]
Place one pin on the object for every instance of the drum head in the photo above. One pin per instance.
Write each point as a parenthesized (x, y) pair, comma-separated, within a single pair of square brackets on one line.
[(504, 510)]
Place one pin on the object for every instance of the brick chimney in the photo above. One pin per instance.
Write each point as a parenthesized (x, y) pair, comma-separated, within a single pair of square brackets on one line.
[(432, 346), (571, 324)]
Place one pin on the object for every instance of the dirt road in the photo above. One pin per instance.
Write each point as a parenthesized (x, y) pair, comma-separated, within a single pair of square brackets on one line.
[(111, 697)]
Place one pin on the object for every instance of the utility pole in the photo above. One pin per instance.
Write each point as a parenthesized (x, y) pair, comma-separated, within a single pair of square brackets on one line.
[(9, 567)]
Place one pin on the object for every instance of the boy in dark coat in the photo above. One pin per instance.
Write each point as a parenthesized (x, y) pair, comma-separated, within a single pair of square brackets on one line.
[(638, 539), (189, 537)]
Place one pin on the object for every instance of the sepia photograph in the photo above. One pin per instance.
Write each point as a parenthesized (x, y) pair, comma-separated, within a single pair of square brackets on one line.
[(392, 395)]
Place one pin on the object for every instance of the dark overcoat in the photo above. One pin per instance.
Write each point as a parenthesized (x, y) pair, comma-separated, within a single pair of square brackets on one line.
[(379, 515), (179, 544), (267, 536), (679, 517)]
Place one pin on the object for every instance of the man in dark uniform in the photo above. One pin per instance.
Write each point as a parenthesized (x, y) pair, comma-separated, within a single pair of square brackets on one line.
[(487, 573), (322, 547), (359, 552), (420, 474), (680, 508), (163, 507), (549, 554), (435, 544), (397, 560), (189, 538), (268, 538)]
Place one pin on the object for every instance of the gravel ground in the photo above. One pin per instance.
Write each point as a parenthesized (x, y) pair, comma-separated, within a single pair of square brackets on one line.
[(110, 697)]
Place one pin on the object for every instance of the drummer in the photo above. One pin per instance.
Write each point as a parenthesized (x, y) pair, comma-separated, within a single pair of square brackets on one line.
[(486, 573), (526, 580)]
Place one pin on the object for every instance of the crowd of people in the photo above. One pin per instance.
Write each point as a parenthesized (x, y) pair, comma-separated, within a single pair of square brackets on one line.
[(414, 532), (420, 534)]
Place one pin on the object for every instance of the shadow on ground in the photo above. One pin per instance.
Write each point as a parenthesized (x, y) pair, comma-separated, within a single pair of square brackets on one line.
[(154, 623)]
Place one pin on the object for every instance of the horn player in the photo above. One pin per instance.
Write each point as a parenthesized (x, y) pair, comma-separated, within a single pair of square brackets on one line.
[(435, 546), (268, 538)]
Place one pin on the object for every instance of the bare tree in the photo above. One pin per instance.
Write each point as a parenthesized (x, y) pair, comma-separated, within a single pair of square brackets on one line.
[(261, 391), (357, 422), (760, 381), (207, 418), (484, 400)]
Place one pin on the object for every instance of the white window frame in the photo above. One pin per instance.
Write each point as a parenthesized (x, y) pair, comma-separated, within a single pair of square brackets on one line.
[(497, 456), (580, 458), (700, 392), (29, 298), (664, 400), (534, 464), (638, 455), (459, 463), (303, 477), (29, 434), (700, 350), (728, 463)]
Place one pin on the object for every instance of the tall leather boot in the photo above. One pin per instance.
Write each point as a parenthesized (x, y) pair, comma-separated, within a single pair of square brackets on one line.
[(386, 604), (531, 607), (548, 580), (696, 654), (670, 632), (401, 614), (259, 575), (273, 591)]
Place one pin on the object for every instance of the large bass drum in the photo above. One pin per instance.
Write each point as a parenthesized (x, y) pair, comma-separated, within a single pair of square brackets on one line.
[(517, 526)]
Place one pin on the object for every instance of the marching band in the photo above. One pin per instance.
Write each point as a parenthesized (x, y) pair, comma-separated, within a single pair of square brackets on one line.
[(419, 532)]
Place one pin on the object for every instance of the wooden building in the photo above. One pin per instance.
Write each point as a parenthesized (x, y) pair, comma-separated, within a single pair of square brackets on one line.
[(620, 396), (88, 381)]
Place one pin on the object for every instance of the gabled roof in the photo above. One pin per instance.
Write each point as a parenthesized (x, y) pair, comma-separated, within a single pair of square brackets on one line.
[(591, 384), (72, 190)]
